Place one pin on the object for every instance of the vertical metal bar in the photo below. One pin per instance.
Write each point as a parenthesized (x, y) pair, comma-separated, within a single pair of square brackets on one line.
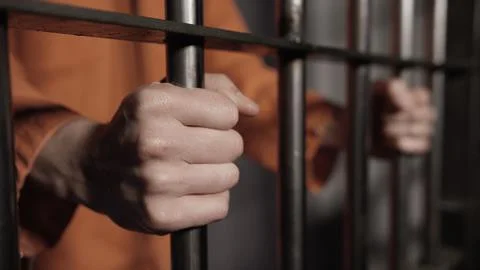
[(359, 16), (291, 109), (9, 255), (473, 168), (185, 68), (401, 168), (437, 29)]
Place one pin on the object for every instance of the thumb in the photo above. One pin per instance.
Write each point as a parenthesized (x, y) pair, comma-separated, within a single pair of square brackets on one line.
[(399, 95), (222, 84)]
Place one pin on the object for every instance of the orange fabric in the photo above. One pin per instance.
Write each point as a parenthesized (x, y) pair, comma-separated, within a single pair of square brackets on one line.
[(90, 77)]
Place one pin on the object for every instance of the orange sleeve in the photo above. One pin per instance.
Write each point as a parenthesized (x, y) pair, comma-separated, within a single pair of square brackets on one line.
[(35, 120), (260, 83)]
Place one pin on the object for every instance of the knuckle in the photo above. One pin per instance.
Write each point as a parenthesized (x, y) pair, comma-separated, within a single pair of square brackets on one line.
[(157, 178), (160, 146), (149, 146), (144, 149), (163, 218), (163, 178), (223, 107), (154, 100)]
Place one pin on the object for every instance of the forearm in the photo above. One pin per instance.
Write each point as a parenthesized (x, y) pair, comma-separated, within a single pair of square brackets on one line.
[(58, 167), (48, 145)]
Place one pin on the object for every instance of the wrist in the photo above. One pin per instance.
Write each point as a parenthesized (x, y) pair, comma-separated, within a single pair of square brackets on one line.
[(59, 165)]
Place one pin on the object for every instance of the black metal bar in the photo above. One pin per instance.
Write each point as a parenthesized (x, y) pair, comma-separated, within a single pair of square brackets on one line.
[(48, 17), (402, 165), (436, 42), (355, 256), (473, 146), (292, 139), (397, 221), (9, 255), (185, 68)]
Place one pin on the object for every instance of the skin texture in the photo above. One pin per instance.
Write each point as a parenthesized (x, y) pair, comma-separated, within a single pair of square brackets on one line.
[(154, 159), (166, 158)]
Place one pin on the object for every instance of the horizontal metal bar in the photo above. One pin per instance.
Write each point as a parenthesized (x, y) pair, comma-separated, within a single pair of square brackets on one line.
[(56, 18)]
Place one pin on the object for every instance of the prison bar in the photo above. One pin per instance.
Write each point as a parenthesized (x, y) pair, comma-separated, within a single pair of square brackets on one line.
[(402, 165), (9, 255), (436, 27), (187, 41), (359, 33), (47, 17), (291, 111), (473, 168), (185, 68)]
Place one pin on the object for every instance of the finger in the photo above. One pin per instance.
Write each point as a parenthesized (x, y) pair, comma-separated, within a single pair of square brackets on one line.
[(411, 145), (179, 178), (397, 117), (202, 146), (399, 95), (420, 130), (426, 114), (222, 84), (190, 144), (422, 96), (188, 211), (397, 129), (199, 107)]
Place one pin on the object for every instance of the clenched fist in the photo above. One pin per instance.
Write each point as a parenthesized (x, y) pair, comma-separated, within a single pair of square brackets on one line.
[(165, 161), (405, 117)]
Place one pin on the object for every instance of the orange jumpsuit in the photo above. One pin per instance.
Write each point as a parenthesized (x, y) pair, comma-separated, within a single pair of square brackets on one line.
[(57, 77)]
